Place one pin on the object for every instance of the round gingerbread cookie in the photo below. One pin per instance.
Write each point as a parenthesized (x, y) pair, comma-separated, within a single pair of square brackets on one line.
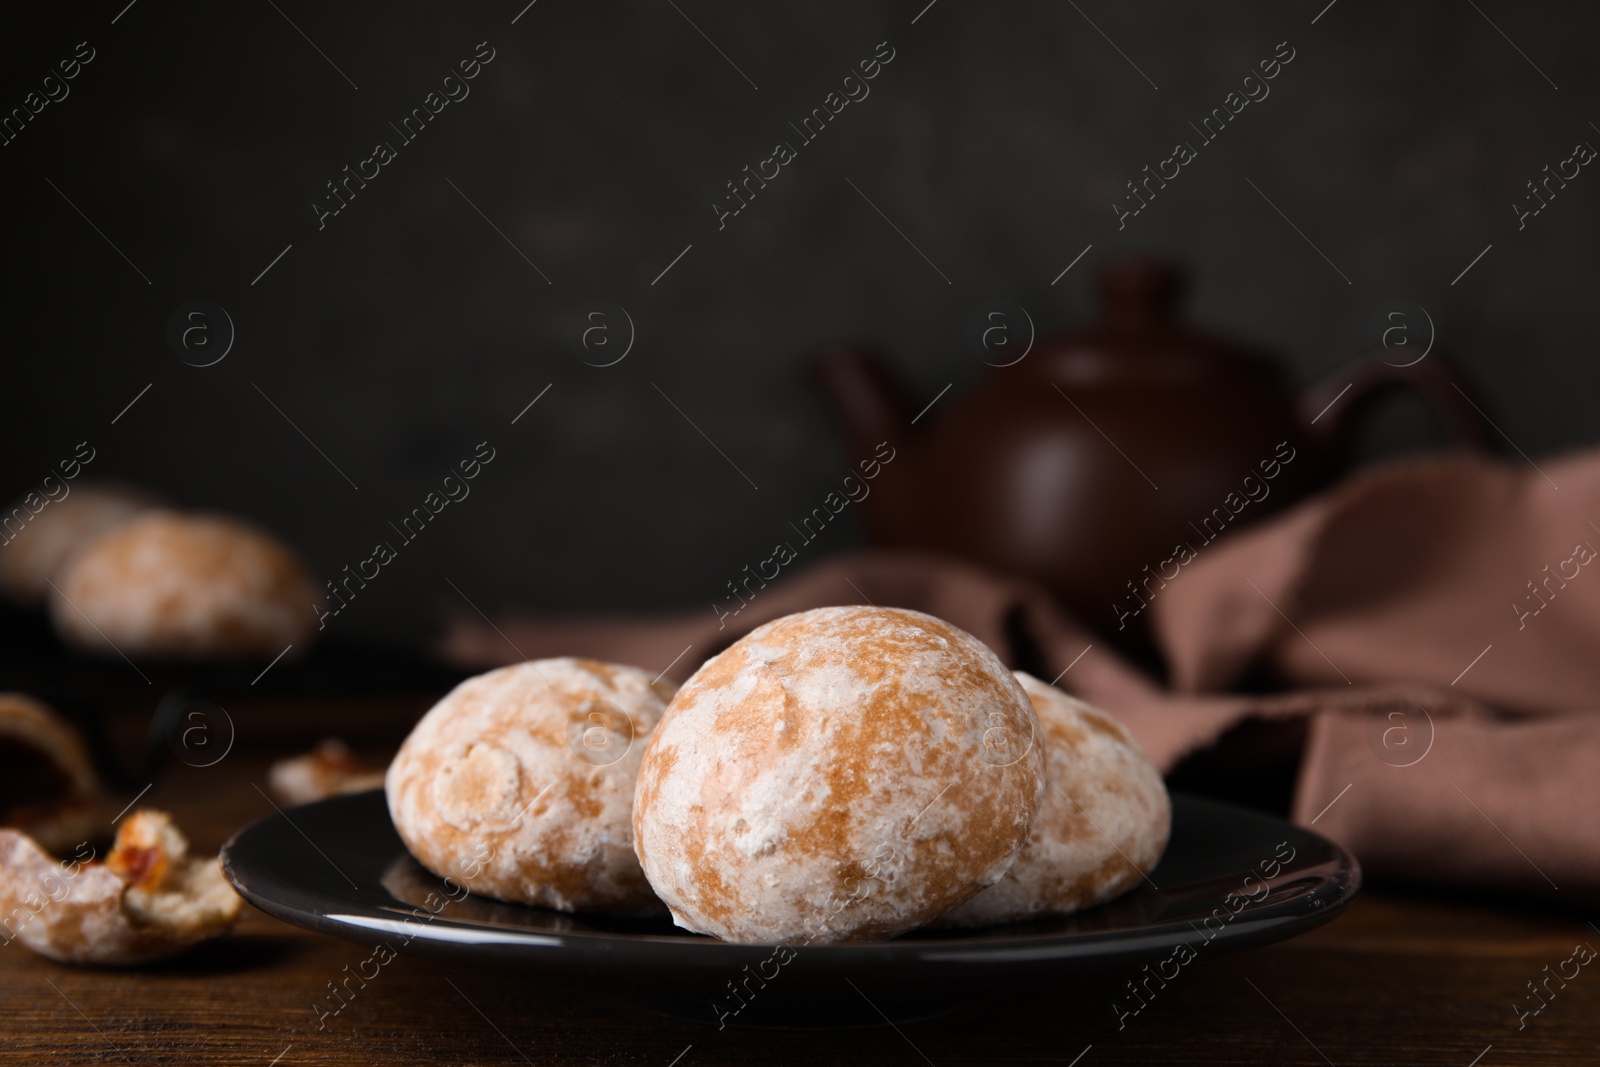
[(179, 585), (1101, 827), (519, 784), (34, 556), (841, 774)]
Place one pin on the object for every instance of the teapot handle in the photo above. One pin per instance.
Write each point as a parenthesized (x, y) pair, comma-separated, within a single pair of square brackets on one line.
[(1332, 409)]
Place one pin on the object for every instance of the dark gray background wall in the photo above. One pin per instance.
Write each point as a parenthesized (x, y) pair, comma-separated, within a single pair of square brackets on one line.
[(596, 141)]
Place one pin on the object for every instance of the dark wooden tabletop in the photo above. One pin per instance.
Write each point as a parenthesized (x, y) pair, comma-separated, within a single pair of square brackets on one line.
[(1403, 976)]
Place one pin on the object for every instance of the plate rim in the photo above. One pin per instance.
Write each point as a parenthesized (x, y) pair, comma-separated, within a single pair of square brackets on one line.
[(1336, 888)]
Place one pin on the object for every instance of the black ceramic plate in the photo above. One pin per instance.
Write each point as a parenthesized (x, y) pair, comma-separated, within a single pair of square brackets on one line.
[(1231, 878)]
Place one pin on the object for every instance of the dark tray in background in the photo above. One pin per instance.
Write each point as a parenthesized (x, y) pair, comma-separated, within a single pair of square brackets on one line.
[(133, 714)]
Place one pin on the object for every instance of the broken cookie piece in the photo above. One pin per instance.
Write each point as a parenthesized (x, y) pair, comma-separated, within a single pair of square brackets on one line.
[(327, 770), (149, 900), (48, 787)]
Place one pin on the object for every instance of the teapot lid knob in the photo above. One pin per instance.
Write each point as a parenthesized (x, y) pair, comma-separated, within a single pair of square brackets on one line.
[(1141, 288)]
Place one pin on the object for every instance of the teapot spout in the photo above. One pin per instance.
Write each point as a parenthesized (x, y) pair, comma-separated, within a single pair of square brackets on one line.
[(865, 394)]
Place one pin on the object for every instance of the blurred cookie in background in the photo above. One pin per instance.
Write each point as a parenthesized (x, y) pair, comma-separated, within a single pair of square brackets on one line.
[(39, 535), (328, 770), (184, 585)]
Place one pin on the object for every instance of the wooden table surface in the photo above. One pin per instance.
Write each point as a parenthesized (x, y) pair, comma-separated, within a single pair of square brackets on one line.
[(1401, 977)]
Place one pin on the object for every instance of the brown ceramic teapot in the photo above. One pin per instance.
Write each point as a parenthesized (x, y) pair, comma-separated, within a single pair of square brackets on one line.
[(1101, 463)]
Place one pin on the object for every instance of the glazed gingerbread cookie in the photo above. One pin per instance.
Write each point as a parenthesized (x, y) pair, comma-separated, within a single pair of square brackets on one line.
[(519, 784), (1101, 827), (35, 557), (177, 585), (841, 774)]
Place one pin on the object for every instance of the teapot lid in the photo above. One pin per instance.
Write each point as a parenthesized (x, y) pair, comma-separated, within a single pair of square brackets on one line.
[(1141, 323), (1140, 290)]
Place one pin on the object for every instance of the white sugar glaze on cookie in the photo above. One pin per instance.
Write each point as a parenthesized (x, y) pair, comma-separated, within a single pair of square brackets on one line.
[(1102, 825), (840, 774), (519, 784), (36, 557), (170, 584)]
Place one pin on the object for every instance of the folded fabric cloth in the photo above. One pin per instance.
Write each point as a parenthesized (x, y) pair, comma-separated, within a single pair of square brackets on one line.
[(1432, 623)]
